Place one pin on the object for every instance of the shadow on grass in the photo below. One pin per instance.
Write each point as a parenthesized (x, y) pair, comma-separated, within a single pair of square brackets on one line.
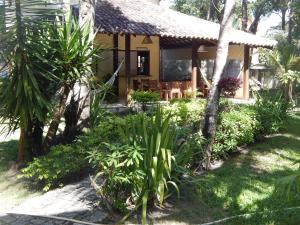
[(245, 184), (8, 153)]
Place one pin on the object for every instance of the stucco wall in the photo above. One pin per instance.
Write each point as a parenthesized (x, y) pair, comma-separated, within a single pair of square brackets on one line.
[(105, 66), (235, 52)]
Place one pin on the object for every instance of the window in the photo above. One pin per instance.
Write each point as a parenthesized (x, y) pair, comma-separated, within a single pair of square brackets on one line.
[(143, 62), (176, 64), (233, 68)]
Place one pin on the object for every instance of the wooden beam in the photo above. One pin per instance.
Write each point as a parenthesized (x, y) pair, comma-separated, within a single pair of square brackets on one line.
[(116, 60), (127, 63), (246, 72), (194, 67)]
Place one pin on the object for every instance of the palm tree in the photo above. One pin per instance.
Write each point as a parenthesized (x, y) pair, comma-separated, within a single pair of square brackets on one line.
[(286, 63), (22, 99)]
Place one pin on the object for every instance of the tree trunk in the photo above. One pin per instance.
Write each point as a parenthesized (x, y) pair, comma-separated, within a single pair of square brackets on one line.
[(283, 14), (56, 119), (210, 117), (71, 115), (254, 25), (290, 28), (289, 85), (22, 147), (244, 15), (81, 89), (37, 139)]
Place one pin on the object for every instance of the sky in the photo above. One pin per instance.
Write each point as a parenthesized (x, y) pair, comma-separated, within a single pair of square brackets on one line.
[(265, 24)]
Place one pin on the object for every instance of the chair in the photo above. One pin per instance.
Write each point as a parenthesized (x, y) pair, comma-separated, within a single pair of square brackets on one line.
[(136, 85), (145, 84), (175, 90), (186, 88), (153, 85), (165, 90)]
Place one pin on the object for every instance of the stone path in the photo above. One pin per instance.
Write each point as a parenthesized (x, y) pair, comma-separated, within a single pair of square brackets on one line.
[(76, 201)]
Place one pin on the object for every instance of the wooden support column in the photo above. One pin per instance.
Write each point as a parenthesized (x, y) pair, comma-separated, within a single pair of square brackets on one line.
[(246, 71), (194, 67), (116, 60), (127, 64)]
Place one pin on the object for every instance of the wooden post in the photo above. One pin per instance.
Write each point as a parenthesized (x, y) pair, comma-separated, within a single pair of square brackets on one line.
[(116, 60), (194, 67), (127, 64), (246, 72)]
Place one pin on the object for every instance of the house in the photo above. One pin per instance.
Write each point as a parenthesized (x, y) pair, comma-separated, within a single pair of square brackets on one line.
[(162, 46)]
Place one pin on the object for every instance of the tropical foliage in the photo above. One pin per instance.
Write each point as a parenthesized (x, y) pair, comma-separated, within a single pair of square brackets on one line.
[(44, 58), (138, 171), (286, 62)]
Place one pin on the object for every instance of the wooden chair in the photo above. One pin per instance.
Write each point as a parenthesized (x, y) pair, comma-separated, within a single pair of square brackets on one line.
[(136, 85), (153, 86), (186, 88), (175, 90), (145, 84), (165, 90)]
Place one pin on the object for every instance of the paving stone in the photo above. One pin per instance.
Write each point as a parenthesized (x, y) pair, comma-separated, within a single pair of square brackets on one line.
[(75, 201)]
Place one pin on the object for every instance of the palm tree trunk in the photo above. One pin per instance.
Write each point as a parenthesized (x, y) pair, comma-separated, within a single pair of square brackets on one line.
[(56, 119), (211, 112), (22, 147)]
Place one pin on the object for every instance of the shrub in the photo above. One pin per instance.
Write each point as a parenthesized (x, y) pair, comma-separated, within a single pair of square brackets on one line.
[(237, 127), (140, 170), (229, 85), (186, 112), (145, 97), (121, 171), (271, 108), (52, 170)]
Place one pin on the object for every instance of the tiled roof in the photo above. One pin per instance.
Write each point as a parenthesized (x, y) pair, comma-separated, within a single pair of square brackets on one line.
[(140, 17)]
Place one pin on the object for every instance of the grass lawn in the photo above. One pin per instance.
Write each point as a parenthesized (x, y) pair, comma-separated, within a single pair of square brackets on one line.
[(13, 190), (245, 184)]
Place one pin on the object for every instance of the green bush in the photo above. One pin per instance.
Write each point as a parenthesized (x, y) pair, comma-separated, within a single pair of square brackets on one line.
[(52, 170), (236, 127), (64, 161), (144, 98), (120, 167), (138, 170), (271, 108), (186, 112)]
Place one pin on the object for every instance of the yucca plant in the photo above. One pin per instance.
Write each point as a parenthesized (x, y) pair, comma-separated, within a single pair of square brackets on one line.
[(22, 49), (138, 170), (156, 137), (74, 54)]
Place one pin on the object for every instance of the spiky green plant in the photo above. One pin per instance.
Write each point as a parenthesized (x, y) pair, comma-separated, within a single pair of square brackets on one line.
[(156, 137), (286, 62), (22, 49)]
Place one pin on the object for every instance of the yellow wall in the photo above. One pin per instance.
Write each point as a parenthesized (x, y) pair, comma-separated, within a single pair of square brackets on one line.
[(235, 52), (105, 66)]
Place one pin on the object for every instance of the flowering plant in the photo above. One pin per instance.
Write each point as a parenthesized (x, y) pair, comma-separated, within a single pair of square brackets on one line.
[(229, 85)]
